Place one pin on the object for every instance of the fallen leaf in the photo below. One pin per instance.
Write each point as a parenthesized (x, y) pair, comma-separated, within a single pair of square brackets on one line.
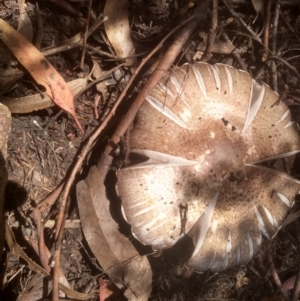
[(39, 68), (97, 73), (30, 103), (259, 8), (118, 30), (113, 250)]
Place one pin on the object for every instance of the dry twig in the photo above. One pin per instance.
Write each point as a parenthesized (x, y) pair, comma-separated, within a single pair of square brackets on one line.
[(85, 35), (274, 45), (266, 31), (212, 32)]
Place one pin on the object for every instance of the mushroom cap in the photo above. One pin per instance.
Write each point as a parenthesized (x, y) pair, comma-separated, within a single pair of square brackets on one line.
[(205, 133)]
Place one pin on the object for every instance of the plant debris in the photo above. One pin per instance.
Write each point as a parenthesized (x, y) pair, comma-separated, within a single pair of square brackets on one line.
[(48, 157)]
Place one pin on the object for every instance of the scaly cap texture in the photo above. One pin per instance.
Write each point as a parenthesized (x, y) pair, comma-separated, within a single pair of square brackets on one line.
[(204, 132)]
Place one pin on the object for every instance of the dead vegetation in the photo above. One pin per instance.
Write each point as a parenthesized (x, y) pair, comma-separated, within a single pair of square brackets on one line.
[(54, 168)]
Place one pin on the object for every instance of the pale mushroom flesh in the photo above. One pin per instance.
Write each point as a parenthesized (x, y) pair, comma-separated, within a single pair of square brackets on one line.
[(204, 132)]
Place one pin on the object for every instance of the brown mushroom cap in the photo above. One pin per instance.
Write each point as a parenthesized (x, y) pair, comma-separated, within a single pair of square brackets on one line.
[(203, 131)]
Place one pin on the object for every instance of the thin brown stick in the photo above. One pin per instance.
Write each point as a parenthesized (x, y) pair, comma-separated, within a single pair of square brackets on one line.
[(101, 52), (85, 35), (64, 204), (274, 45), (212, 32), (41, 240), (275, 26), (266, 31), (57, 271), (62, 48), (78, 44)]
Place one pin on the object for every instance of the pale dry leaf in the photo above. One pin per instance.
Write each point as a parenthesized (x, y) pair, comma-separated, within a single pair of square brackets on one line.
[(259, 8), (289, 283), (97, 72), (117, 29), (91, 228), (31, 103), (114, 251)]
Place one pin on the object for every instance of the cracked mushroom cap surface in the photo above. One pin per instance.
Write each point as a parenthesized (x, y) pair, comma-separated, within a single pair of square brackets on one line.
[(203, 136)]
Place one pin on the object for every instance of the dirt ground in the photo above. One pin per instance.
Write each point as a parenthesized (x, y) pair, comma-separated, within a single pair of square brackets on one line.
[(44, 144)]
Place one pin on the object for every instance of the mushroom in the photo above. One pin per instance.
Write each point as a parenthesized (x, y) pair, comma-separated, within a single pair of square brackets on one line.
[(202, 141)]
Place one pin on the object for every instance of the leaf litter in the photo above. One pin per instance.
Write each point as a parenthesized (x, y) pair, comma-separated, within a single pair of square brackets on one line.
[(167, 284)]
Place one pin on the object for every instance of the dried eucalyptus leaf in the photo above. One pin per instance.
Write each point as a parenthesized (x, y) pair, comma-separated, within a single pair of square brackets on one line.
[(118, 30), (113, 250)]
